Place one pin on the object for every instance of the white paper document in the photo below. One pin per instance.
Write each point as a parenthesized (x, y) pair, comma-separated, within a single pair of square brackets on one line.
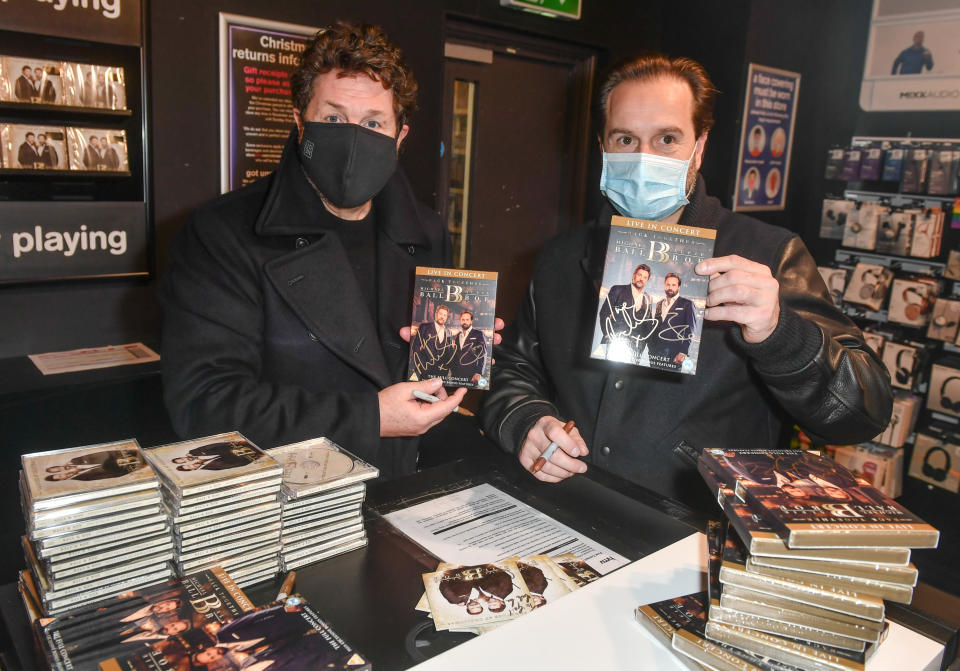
[(483, 524), (93, 357)]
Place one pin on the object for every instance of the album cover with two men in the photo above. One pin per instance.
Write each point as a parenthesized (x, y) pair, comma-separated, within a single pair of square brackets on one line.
[(651, 304), (451, 329)]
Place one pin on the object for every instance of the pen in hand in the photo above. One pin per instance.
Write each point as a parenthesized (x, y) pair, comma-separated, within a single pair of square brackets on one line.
[(287, 586), (551, 448)]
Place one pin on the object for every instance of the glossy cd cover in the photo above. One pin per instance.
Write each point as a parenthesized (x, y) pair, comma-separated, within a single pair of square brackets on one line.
[(211, 462), (65, 477), (811, 501), (318, 465), (451, 328), (651, 303)]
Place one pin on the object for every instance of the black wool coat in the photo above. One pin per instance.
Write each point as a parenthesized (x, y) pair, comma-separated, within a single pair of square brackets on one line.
[(266, 329)]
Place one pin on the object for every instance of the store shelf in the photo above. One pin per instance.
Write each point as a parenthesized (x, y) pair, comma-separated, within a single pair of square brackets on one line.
[(19, 108), (903, 263)]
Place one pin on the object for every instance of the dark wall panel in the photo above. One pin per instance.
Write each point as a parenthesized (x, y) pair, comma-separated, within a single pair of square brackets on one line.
[(182, 56)]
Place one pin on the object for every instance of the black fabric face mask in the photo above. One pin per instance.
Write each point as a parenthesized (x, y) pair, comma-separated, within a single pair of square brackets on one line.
[(349, 164)]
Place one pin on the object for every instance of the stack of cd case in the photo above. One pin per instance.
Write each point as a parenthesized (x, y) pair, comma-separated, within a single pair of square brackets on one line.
[(95, 523), (323, 491), (222, 495)]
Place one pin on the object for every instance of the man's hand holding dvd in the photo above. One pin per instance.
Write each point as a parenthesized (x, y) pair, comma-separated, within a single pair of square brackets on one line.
[(809, 553)]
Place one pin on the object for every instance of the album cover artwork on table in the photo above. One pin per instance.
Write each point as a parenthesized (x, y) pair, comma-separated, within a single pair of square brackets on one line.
[(317, 465), (33, 147), (651, 301), (180, 612), (65, 477), (811, 501), (99, 86), (31, 80), (210, 463), (98, 149), (451, 327)]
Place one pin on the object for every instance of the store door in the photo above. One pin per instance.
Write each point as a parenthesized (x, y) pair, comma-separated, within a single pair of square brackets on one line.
[(516, 128)]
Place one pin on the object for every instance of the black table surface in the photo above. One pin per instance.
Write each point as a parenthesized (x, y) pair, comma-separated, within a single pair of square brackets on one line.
[(369, 595)]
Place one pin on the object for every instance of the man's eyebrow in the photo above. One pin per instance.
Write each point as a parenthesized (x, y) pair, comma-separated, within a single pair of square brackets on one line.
[(341, 108), (676, 130)]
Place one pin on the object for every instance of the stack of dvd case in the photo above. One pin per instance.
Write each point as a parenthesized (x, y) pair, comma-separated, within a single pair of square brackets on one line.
[(95, 523), (802, 566), (323, 491), (222, 495)]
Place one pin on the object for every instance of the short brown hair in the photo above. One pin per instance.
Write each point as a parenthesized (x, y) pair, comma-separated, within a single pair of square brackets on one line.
[(356, 48), (652, 65)]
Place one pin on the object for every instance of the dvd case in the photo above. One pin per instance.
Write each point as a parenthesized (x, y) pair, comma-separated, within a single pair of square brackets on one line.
[(32, 81), (651, 301), (33, 147), (318, 465), (811, 501), (451, 328), (98, 149)]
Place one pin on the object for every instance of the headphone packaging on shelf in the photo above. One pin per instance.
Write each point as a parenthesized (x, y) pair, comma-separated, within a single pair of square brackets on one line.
[(875, 341), (903, 419), (834, 217), (861, 228), (868, 286), (944, 320), (927, 233), (911, 301), (944, 163), (836, 281), (901, 362), (952, 271), (881, 466), (895, 232), (851, 164), (871, 163), (834, 163), (936, 462), (893, 165), (914, 179), (943, 394)]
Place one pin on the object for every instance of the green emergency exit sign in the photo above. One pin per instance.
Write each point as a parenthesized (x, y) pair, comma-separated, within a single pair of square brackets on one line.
[(564, 9)]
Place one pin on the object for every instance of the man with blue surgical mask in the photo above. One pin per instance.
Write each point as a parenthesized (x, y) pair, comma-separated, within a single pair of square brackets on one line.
[(774, 350)]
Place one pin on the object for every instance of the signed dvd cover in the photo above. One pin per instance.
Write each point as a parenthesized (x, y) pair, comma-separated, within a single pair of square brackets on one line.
[(451, 328), (651, 303)]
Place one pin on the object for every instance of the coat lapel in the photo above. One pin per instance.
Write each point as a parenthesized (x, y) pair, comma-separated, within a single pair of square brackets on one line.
[(319, 285)]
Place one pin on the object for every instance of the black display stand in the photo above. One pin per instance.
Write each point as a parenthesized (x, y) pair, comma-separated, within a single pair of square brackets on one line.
[(44, 198)]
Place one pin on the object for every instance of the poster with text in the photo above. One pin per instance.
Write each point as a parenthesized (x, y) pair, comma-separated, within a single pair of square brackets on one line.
[(257, 58), (912, 60), (766, 137)]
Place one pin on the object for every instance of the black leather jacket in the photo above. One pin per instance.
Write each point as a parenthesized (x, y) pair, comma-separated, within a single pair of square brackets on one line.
[(648, 426)]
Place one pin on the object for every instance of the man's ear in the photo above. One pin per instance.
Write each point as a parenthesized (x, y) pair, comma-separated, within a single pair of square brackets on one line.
[(299, 121), (403, 133), (701, 145)]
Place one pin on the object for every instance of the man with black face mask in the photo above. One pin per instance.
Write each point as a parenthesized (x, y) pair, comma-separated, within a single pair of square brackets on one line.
[(284, 301), (773, 345)]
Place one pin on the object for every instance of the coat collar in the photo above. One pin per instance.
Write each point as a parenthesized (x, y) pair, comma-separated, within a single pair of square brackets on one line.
[(291, 198)]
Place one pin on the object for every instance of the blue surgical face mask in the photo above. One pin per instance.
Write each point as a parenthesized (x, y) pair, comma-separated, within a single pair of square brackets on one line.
[(645, 186)]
